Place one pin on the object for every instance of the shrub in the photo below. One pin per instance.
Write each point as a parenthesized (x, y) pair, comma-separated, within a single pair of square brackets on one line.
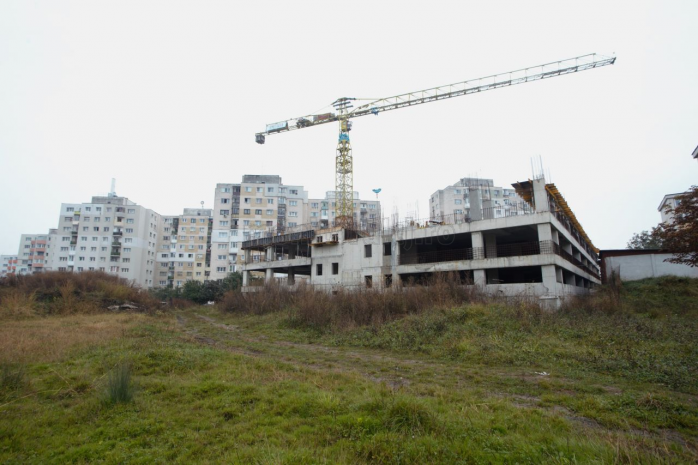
[(59, 292), (119, 388), (12, 377), (350, 308)]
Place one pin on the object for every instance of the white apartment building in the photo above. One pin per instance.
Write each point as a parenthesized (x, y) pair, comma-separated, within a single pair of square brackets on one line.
[(110, 234), (669, 201), (497, 202), (184, 248), (8, 265)]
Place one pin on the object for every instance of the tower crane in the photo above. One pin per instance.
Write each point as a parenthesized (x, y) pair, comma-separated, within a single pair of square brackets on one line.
[(345, 111)]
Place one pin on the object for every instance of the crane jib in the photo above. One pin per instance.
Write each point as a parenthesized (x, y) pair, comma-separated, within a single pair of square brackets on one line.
[(572, 65)]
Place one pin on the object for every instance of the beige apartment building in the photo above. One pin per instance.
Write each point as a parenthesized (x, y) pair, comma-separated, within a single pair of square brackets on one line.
[(262, 205), (110, 234), (184, 248), (497, 202), (33, 255)]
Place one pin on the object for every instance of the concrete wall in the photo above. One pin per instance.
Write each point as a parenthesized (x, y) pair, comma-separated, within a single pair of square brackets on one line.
[(634, 267)]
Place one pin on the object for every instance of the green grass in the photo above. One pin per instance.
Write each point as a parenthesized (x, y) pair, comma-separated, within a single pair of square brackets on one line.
[(476, 384)]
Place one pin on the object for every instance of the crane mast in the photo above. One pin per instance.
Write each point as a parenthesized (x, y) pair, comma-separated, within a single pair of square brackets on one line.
[(344, 166)]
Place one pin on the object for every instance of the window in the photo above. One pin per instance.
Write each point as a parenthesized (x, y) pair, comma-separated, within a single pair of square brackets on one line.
[(270, 189), (225, 212), (128, 230), (222, 246), (369, 281), (248, 189), (335, 268), (318, 269), (260, 189), (225, 189), (97, 219), (293, 203), (70, 209), (313, 214), (96, 228), (131, 210), (258, 212), (129, 220), (222, 234), (293, 214), (220, 269), (270, 212), (225, 200), (224, 223), (246, 211), (458, 201), (368, 253), (294, 191), (270, 201), (85, 228), (128, 240), (258, 200)]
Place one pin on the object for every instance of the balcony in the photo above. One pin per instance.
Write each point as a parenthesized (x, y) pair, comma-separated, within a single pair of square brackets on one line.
[(115, 253), (116, 244), (118, 233)]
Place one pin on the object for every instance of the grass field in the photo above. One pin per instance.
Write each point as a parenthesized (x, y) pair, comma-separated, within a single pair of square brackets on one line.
[(477, 383)]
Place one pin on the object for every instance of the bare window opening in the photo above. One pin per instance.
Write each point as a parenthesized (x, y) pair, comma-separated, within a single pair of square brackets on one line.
[(318, 269), (369, 281), (387, 249), (515, 275), (335, 268), (335, 237), (388, 279), (367, 251)]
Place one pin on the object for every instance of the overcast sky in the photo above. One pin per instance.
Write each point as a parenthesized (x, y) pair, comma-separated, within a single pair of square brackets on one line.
[(166, 97)]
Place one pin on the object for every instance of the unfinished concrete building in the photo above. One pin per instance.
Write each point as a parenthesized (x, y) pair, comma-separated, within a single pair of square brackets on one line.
[(540, 251)]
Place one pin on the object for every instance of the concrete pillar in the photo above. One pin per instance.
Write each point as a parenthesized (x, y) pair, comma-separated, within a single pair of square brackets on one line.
[(245, 278), (480, 278), (475, 195), (269, 275), (549, 278), (540, 195), (478, 245), (545, 232), (291, 277), (490, 245)]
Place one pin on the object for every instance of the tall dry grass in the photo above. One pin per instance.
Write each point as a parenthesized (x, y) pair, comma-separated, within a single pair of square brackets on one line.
[(345, 309), (49, 339), (67, 293)]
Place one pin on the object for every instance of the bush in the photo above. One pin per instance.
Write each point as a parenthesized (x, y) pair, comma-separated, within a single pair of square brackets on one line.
[(345, 309), (119, 389), (12, 377), (59, 292)]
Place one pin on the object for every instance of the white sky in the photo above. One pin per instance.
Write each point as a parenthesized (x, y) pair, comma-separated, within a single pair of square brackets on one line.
[(166, 97)]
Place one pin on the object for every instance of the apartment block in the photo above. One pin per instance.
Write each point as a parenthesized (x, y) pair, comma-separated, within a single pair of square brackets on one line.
[(322, 212), (8, 265), (541, 251), (110, 234), (260, 204), (496, 202), (33, 255), (184, 248)]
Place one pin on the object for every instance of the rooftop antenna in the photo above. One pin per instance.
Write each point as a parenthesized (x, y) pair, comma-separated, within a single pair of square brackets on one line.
[(112, 193)]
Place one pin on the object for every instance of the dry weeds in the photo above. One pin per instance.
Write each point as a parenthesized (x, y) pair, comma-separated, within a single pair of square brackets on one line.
[(49, 339)]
